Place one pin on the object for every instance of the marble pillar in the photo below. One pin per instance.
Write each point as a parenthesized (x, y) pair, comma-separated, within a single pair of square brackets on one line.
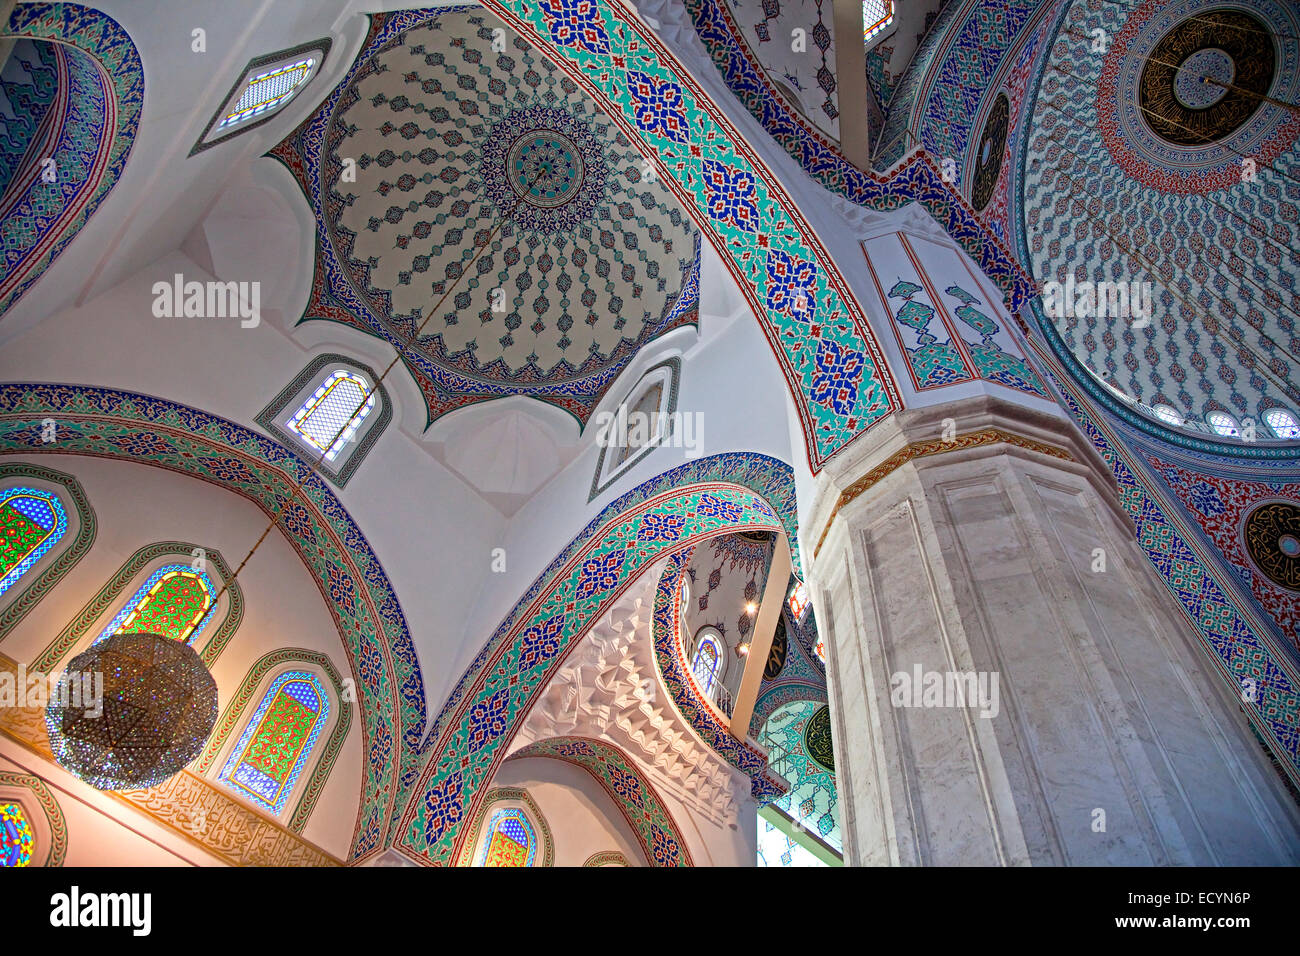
[(986, 540)]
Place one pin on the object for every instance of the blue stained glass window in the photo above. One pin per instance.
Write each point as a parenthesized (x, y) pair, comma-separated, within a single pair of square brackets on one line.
[(31, 522), (876, 16), (329, 419), (509, 839), (16, 838), (278, 740), (268, 89), (708, 655)]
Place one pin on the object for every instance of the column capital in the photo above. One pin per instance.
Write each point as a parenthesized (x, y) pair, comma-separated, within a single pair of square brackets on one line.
[(971, 428)]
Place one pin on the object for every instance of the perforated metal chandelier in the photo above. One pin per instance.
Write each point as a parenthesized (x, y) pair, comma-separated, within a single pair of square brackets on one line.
[(157, 707)]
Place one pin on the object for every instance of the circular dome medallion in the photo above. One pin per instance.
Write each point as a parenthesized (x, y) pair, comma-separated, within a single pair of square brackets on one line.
[(544, 168), (1163, 109), (1272, 533), (1191, 82), (993, 144), (1179, 102), (817, 738)]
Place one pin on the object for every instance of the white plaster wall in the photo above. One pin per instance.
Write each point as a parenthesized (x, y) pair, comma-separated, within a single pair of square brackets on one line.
[(136, 505)]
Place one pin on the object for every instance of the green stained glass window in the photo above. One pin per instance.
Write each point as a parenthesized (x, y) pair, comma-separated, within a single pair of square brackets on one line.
[(31, 521), (277, 741), (174, 602)]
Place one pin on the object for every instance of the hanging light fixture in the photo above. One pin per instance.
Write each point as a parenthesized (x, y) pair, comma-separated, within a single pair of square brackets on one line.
[(151, 706)]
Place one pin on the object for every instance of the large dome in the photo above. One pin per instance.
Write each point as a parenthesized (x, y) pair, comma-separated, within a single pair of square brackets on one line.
[(1161, 161), (482, 171)]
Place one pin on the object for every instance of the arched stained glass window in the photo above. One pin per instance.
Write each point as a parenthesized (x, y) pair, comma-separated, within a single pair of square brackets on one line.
[(174, 602), (509, 839), (278, 739), (31, 521), (1282, 422), (329, 419), (876, 16), (16, 838), (708, 655), (1223, 424)]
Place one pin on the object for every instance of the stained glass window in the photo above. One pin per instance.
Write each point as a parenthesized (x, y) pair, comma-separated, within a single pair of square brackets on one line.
[(708, 654), (277, 740), (16, 838), (1167, 414), (1282, 422), (267, 90), (1223, 424), (329, 419), (798, 600), (876, 16), (174, 602), (509, 839), (820, 649), (31, 521)]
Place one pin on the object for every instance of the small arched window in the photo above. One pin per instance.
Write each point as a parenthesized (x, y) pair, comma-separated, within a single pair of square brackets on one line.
[(174, 602), (706, 663), (31, 522), (329, 419), (1282, 423), (278, 740), (334, 411), (509, 840), (267, 85), (16, 837), (1168, 414), (642, 422), (1223, 424)]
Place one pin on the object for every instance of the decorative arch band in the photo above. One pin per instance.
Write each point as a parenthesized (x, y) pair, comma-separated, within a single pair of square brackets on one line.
[(640, 804), (469, 738), (108, 423), (100, 105)]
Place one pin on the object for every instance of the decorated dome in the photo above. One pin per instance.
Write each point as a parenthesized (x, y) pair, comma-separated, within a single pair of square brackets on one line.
[(1159, 152), (488, 219)]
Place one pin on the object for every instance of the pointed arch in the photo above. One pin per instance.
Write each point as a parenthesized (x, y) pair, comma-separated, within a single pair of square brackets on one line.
[(510, 807), (173, 603), (129, 426), (42, 826), (274, 663), (150, 556), (99, 115), (631, 792), (467, 742), (278, 740)]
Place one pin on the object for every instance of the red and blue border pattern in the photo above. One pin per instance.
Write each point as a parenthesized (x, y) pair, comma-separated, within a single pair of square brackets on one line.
[(108, 423), (915, 178), (750, 761), (640, 804), (1238, 653), (701, 499), (98, 131)]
